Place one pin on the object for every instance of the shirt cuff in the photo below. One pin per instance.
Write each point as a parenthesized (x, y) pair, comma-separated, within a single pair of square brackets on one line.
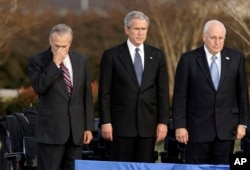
[(245, 126)]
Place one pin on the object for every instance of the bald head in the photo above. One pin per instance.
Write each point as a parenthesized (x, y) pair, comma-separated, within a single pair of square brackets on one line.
[(213, 23), (214, 34)]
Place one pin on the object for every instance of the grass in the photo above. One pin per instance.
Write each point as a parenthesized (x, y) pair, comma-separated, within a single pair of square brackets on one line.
[(159, 147), (237, 145)]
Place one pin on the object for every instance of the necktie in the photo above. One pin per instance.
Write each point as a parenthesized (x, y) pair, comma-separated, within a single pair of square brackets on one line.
[(138, 66), (214, 72), (66, 77)]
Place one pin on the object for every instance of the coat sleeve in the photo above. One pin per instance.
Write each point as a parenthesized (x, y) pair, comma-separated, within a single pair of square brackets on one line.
[(180, 94), (104, 92), (243, 96), (42, 72)]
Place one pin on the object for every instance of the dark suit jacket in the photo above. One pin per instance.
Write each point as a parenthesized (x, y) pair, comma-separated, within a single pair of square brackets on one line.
[(196, 104), (131, 109), (58, 114)]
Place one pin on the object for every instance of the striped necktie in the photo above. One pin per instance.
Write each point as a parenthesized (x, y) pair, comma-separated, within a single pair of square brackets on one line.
[(67, 78)]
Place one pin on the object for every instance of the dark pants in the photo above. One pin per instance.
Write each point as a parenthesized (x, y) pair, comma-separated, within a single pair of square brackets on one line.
[(215, 152), (132, 149), (55, 157)]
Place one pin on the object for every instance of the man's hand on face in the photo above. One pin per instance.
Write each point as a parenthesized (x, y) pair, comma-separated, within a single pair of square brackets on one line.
[(59, 55)]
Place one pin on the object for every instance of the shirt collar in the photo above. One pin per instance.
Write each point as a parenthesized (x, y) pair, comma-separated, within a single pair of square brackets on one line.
[(132, 47), (209, 55), (66, 60)]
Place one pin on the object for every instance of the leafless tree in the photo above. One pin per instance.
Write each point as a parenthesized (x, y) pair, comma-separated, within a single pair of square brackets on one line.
[(239, 11), (16, 17), (179, 26), (176, 25)]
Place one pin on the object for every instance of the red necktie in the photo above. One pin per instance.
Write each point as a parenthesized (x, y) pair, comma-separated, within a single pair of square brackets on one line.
[(66, 77)]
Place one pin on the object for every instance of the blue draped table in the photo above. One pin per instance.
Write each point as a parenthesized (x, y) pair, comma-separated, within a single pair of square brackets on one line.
[(108, 165)]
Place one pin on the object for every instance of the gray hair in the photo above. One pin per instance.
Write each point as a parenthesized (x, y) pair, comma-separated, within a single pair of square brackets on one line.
[(211, 22), (135, 15), (61, 29)]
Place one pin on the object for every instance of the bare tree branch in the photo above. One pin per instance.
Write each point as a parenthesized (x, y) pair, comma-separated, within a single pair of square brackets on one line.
[(239, 11), (16, 16)]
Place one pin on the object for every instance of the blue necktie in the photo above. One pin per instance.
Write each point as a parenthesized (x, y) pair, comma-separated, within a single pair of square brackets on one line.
[(214, 72), (138, 66)]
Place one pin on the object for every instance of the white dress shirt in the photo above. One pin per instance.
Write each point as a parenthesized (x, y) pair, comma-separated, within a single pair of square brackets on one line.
[(209, 59), (132, 48)]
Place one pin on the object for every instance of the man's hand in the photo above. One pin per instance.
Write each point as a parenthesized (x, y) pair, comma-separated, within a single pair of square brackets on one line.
[(161, 132), (87, 137), (241, 131), (59, 55), (107, 132), (181, 135)]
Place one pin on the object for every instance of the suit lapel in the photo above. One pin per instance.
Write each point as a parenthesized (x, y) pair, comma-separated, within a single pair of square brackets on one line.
[(148, 58), (202, 62), (225, 61), (75, 70), (125, 58), (63, 85)]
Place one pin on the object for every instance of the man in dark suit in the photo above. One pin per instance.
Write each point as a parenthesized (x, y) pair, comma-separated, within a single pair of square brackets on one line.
[(210, 103), (133, 96), (65, 113)]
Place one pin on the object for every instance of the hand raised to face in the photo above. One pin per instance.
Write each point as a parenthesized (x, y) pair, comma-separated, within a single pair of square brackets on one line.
[(60, 45), (59, 55)]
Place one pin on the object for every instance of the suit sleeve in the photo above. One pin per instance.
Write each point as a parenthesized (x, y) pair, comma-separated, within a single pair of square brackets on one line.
[(163, 92), (180, 94), (104, 91), (88, 99), (243, 97), (42, 74)]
